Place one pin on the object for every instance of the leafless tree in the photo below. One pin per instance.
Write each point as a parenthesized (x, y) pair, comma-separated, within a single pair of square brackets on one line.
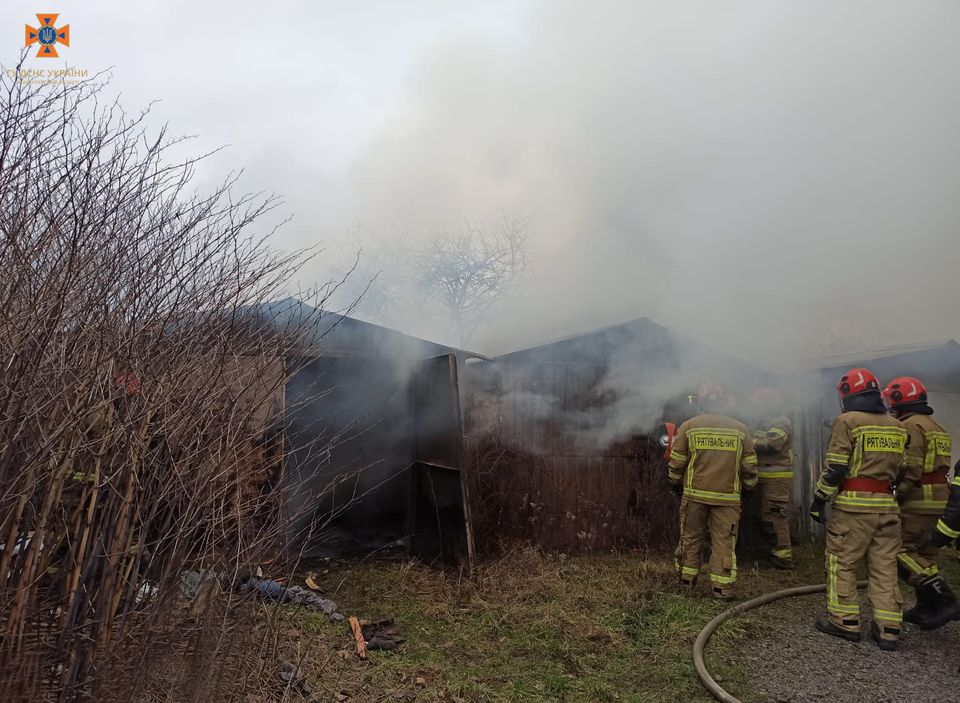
[(380, 286), (467, 270)]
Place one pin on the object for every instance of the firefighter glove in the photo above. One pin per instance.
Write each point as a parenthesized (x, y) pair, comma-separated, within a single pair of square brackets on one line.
[(817, 510), (676, 488)]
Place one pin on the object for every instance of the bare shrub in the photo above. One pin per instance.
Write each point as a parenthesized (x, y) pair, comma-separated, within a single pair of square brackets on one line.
[(139, 397)]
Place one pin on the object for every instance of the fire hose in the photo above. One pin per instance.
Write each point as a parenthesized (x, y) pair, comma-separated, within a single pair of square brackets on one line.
[(705, 678)]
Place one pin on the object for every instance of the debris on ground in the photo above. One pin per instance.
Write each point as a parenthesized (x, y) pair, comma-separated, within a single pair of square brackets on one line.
[(378, 635), (193, 582), (275, 591), (290, 674), (145, 592), (383, 634), (358, 636)]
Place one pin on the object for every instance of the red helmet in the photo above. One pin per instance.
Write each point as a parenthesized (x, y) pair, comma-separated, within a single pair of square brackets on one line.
[(711, 393), (766, 395), (856, 381), (903, 390), (129, 383)]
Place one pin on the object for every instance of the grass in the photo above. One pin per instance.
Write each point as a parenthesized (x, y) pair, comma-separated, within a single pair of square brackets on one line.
[(530, 627)]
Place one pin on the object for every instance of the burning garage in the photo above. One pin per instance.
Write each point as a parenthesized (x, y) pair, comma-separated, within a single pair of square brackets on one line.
[(395, 440), (372, 438), (564, 435)]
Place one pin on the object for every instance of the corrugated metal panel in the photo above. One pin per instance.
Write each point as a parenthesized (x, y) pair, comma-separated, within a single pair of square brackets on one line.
[(552, 484)]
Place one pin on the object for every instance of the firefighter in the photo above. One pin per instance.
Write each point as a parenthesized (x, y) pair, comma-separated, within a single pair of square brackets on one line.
[(711, 460), (947, 530), (862, 462), (922, 495), (773, 442)]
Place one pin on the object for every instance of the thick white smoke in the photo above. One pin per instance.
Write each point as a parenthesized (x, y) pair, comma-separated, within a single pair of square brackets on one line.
[(769, 177)]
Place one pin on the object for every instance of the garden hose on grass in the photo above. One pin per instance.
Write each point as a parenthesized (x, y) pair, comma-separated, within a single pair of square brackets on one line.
[(705, 678)]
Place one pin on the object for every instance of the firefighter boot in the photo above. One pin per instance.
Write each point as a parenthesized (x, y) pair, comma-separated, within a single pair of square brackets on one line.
[(779, 562), (828, 628), (923, 613), (944, 605), (723, 594), (885, 637)]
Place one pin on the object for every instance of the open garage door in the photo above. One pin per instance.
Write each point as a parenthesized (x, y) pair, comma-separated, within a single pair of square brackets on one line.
[(440, 526)]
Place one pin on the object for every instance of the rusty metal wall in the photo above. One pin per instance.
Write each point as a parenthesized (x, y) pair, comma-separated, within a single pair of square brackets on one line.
[(539, 476), (574, 503)]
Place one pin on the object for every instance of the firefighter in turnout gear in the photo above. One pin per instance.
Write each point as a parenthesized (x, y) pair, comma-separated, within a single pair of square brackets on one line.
[(863, 461), (948, 526), (922, 494), (711, 461), (773, 442)]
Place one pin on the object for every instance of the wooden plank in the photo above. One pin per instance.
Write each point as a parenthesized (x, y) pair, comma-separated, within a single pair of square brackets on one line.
[(358, 636), (464, 461)]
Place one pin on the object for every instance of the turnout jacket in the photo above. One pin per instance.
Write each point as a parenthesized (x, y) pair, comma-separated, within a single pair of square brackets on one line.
[(924, 487), (773, 442), (713, 458), (949, 523), (863, 461)]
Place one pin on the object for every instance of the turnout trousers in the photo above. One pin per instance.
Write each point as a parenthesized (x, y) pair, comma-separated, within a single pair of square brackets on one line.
[(775, 515), (916, 559), (698, 522), (851, 538)]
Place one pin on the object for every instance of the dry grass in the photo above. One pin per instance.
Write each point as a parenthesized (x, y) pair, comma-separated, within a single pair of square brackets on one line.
[(528, 627)]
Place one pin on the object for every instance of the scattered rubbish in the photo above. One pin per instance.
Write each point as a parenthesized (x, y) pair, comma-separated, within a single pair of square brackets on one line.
[(268, 589), (20, 544), (358, 636), (383, 634), (193, 582), (145, 592), (314, 601), (420, 681), (311, 583), (290, 674), (276, 591)]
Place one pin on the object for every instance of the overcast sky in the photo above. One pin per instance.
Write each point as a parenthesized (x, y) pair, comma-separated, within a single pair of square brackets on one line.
[(750, 173)]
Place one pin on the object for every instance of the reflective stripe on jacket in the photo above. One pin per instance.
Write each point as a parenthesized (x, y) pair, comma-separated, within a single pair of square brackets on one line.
[(773, 442), (713, 457), (869, 445), (928, 453)]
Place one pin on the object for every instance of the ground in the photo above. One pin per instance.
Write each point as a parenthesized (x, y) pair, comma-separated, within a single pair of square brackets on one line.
[(812, 669), (538, 627)]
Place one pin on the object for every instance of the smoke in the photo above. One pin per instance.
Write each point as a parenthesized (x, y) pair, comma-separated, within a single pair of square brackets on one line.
[(586, 395), (757, 174)]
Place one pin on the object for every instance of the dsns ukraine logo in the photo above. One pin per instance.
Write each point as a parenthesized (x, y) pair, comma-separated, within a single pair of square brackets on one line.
[(47, 36)]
